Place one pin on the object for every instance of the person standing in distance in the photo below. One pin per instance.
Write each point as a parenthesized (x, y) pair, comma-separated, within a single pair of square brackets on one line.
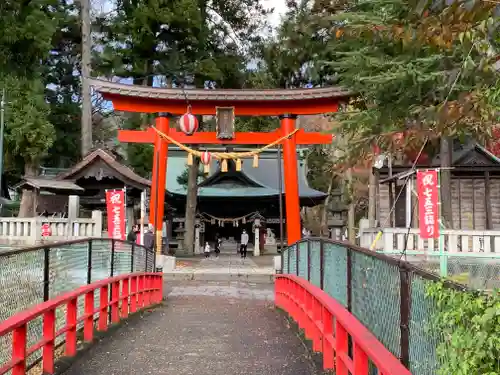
[(244, 244)]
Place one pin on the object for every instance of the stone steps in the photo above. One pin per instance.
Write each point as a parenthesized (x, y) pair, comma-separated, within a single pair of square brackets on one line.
[(256, 278)]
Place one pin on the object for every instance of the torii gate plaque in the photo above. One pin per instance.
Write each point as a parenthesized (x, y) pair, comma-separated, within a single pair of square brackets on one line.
[(286, 104)]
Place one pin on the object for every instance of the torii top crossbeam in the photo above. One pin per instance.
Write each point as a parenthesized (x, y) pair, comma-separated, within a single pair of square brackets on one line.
[(166, 102)]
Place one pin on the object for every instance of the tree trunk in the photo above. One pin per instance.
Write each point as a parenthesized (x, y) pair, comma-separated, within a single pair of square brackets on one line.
[(86, 120), (445, 191), (191, 201), (324, 216), (351, 219), (27, 208)]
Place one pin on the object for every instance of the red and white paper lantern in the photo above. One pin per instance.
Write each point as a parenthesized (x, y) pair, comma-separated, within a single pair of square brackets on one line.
[(188, 123), (206, 158)]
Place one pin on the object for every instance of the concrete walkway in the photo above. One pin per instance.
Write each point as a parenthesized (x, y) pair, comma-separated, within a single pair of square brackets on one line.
[(223, 328), (225, 267)]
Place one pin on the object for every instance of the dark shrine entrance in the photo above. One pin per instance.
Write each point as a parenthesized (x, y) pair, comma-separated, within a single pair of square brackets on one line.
[(286, 104)]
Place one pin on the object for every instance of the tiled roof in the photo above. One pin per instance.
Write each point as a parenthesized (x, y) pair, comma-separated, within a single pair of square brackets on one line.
[(106, 87), (110, 161), (48, 184), (264, 178)]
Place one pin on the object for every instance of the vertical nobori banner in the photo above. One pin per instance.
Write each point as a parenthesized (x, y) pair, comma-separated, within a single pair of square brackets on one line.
[(428, 203), (115, 203)]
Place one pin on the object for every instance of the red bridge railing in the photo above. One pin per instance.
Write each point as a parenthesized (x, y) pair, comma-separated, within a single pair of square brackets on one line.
[(329, 326), (118, 297)]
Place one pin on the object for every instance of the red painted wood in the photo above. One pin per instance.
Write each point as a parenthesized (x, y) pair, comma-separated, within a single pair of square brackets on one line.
[(327, 350), (88, 322), (19, 340), (49, 334), (17, 324), (156, 209), (208, 107), (292, 293), (341, 348), (115, 301), (318, 331), (124, 298), (360, 361), (103, 308), (292, 204), (71, 320), (133, 296), (140, 294), (248, 138)]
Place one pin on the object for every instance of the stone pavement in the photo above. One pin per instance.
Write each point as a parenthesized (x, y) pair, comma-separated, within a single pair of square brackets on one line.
[(204, 328), (225, 267)]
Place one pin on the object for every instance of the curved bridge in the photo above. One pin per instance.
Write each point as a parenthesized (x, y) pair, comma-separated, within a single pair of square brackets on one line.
[(348, 302)]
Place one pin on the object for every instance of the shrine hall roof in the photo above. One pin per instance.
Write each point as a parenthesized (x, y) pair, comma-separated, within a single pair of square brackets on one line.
[(262, 181), (121, 170), (107, 87)]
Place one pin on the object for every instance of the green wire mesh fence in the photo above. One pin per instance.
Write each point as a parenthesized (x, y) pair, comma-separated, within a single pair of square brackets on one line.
[(386, 294), (34, 275)]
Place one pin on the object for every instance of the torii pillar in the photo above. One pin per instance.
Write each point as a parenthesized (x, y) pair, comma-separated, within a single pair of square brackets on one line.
[(292, 202), (157, 198)]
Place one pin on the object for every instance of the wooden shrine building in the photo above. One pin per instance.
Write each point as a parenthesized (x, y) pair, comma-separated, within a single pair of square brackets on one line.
[(475, 189), (89, 179)]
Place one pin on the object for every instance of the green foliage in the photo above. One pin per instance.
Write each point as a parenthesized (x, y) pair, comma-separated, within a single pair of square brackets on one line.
[(416, 69), (290, 59), (256, 124), (183, 178), (184, 41), (27, 33), (469, 323), (140, 158), (29, 134), (319, 165)]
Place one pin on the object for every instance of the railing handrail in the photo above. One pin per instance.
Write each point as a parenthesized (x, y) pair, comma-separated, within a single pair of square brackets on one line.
[(52, 245), (374, 349), (119, 296), (402, 264), (34, 312)]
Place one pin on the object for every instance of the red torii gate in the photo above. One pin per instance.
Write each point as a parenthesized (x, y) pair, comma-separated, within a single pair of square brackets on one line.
[(286, 104)]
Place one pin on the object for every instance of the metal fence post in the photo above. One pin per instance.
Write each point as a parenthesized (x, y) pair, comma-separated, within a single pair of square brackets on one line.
[(404, 310), (282, 260), (349, 279), (112, 257), (289, 256), (145, 260), (309, 260), (154, 262), (46, 273), (132, 257), (321, 262), (297, 256), (89, 262)]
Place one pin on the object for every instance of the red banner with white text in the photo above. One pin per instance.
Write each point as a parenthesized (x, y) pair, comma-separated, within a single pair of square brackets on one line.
[(428, 203), (115, 203)]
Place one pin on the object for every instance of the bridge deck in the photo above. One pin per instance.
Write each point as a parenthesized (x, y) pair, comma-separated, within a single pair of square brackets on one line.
[(210, 328)]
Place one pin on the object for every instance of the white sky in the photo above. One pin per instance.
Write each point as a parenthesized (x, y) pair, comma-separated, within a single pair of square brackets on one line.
[(278, 5), (279, 9)]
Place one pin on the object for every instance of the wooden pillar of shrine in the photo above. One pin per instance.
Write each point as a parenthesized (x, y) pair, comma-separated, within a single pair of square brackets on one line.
[(157, 196), (292, 203)]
